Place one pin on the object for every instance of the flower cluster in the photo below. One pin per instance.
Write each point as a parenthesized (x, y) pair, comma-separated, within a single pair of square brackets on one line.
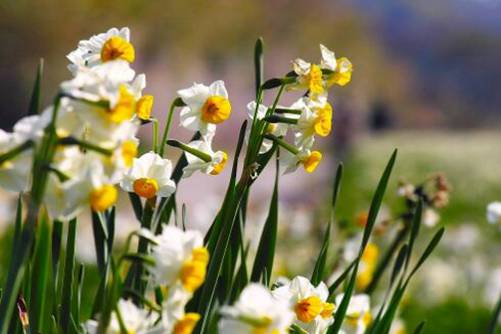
[(293, 303), (309, 116)]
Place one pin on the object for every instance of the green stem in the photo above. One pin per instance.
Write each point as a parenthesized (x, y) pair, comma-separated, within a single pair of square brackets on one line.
[(291, 148), (155, 135), (288, 111), (85, 145), (199, 154), (280, 119), (176, 103)]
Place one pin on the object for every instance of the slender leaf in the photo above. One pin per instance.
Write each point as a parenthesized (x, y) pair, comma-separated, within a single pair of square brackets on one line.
[(68, 277), (419, 328), (34, 105), (258, 63), (493, 323)]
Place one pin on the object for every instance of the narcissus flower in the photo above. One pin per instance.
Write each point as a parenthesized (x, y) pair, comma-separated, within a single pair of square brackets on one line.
[(174, 318), (358, 316), (342, 74), (206, 106), (309, 76), (309, 160), (134, 319), (203, 158), (256, 311), (144, 106), (180, 257), (313, 313), (14, 173), (494, 213), (149, 177), (276, 129), (315, 119), (111, 45)]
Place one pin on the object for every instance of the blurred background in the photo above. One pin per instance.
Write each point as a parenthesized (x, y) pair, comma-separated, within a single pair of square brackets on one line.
[(426, 80)]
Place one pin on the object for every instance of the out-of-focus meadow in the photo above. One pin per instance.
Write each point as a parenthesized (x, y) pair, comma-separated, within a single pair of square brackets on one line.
[(426, 81)]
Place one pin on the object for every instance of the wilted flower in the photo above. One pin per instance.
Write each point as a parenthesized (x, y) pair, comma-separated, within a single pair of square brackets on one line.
[(149, 177), (256, 311), (206, 106), (179, 257), (313, 313)]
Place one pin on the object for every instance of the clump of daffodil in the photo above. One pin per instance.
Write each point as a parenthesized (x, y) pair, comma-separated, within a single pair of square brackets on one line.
[(149, 177), (358, 315), (256, 311), (317, 78), (206, 106), (309, 303), (111, 45), (180, 258)]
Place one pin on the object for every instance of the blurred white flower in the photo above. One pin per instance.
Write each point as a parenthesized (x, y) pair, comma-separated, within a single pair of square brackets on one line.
[(134, 319), (313, 313), (430, 217), (174, 318), (14, 173), (398, 327), (494, 213), (149, 177), (179, 257), (213, 164), (358, 315), (206, 106), (111, 45), (256, 311)]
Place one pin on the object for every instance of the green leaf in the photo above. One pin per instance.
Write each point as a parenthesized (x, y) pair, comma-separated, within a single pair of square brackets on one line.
[(373, 211), (39, 303), (34, 105), (420, 327), (272, 83), (68, 277), (319, 269), (137, 206), (340, 279), (266, 249), (258, 63), (401, 258), (429, 249), (493, 323)]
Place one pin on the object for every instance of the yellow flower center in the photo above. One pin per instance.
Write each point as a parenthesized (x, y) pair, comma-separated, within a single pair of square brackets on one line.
[(220, 166), (145, 187), (370, 254), (216, 109), (144, 107), (311, 162), (263, 326), (314, 80), (271, 128), (366, 318), (343, 76), (327, 310), (193, 271), (186, 324), (129, 152), (103, 197), (117, 48), (124, 109), (323, 122), (307, 309)]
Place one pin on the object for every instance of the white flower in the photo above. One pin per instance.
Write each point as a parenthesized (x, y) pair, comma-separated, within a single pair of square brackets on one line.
[(494, 213), (149, 177), (313, 312), (309, 159), (358, 316), (276, 129), (206, 106), (430, 217), (113, 44), (328, 61), (174, 318), (134, 319), (214, 164), (398, 327), (256, 310), (315, 119), (309, 76), (14, 173), (179, 258)]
